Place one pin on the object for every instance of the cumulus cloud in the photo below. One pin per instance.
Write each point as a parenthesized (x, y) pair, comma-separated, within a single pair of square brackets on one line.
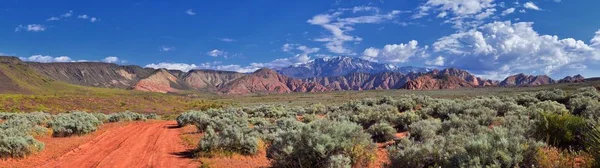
[(46, 59), (63, 16), (190, 12), (463, 14), (339, 26), (173, 66), (306, 50), (90, 18), (209, 65), (166, 48), (227, 40), (532, 6), (31, 28), (499, 49), (111, 59), (68, 14), (216, 53), (395, 53), (508, 11), (49, 59), (438, 61), (53, 19)]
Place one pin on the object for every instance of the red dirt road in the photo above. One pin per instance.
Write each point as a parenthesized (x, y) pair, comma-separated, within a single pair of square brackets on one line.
[(144, 144)]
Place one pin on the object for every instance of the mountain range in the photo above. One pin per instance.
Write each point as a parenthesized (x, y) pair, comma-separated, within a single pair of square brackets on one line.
[(319, 75)]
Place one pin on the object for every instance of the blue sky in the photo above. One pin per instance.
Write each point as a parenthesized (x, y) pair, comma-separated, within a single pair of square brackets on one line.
[(490, 38)]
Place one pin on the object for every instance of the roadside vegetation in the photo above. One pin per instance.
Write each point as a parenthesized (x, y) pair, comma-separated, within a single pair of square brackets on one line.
[(549, 128), (19, 130)]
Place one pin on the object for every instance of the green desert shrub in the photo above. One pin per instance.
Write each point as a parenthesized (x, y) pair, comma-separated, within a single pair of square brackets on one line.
[(365, 115), (16, 134), (101, 117), (16, 143), (271, 132), (25, 126), (317, 109), (153, 116), (323, 143), (270, 111), (6, 116), (126, 116), (560, 130), (230, 139), (425, 129), (489, 148), (191, 117), (227, 131), (592, 142), (552, 95), (307, 118), (74, 123), (407, 118), (382, 132)]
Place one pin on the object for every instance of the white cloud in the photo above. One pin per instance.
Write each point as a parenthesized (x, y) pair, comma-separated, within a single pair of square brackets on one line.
[(439, 61), (454, 7), (305, 50), (532, 6), (508, 11), (83, 17), (463, 14), (49, 59), (190, 12), (395, 53), (499, 49), (216, 53), (68, 14), (166, 48), (596, 40), (111, 59), (90, 18), (173, 66), (227, 40), (31, 28), (340, 26), (46, 59), (53, 19), (209, 65)]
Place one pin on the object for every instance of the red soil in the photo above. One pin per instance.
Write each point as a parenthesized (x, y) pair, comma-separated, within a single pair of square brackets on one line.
[(136, 144)]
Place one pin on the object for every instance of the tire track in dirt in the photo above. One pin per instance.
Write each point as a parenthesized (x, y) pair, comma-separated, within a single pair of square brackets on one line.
[(144, 144)]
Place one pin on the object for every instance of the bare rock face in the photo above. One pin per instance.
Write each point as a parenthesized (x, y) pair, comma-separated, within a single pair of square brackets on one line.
[(210, 80), (161, 81), (450, 78), (365, 81), (431, 82), (572, 79), (94, 74), (268, 81), (527, 80)]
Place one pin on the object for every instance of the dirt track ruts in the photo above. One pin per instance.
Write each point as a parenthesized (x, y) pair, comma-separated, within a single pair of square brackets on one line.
[(144, 144)]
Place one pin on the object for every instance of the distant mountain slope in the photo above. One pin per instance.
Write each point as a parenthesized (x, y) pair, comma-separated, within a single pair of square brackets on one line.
[(365, 81), (18, 77), (162, 81), (25, 77), (210, 80), (572, 79), (95, 74), (340, 66), (527, 80), (268, 81)]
